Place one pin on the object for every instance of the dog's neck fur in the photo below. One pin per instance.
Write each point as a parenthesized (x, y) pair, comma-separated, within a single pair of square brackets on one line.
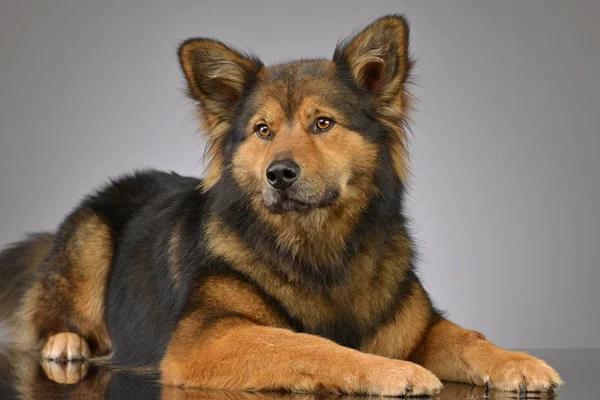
[(316, 250)]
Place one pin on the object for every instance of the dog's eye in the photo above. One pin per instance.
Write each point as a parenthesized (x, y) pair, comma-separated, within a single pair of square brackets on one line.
[(323, 124), (262, 130)]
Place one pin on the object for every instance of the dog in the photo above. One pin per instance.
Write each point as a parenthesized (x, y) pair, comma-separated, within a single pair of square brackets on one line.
[(290, 266)]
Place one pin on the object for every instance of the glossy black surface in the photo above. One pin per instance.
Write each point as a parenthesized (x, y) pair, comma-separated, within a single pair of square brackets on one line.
[(23, 376)]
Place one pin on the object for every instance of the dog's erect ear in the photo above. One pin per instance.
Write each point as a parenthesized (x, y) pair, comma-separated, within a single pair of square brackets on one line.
[(378, 60), (217, 76), (377, 57)]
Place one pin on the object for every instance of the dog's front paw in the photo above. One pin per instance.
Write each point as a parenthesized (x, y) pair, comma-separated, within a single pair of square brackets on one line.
[(521, 372), (66, 346), (398, 378)]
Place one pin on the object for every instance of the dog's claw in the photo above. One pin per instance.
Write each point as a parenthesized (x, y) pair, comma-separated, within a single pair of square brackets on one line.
[(488, 388)]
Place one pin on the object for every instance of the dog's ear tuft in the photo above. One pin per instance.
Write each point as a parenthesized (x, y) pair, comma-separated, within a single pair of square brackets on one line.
[(217, 76), (377, 57)]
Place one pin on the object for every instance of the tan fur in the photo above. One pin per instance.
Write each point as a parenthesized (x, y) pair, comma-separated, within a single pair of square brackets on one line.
[(234, 353), (234, 296), (74, 285), (91, 257), (399, 337), (175, 256), (366, 293), (214, 167), (460, 355), (24, 330)]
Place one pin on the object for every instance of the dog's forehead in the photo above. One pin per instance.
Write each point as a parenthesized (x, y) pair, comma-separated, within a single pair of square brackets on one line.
[(289, 84)]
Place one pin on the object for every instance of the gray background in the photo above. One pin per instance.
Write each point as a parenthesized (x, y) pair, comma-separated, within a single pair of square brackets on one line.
[(506, 178)]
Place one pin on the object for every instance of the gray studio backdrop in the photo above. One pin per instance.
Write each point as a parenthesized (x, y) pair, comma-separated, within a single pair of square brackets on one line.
[(506, 184)]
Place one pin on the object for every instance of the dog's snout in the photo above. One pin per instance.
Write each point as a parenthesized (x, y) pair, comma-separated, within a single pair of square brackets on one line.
[(281, 174)]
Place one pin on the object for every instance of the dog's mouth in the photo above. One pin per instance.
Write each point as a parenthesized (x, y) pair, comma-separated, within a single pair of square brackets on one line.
[(282, 202)]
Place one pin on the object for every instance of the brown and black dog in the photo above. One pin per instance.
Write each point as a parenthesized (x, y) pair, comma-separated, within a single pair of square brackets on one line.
[(289, 267)]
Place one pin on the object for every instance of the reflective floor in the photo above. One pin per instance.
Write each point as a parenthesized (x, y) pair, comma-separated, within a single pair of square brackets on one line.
[(22, 376)]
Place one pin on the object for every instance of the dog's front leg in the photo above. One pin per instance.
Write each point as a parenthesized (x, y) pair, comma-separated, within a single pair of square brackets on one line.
[(459, 355), (235, 353)]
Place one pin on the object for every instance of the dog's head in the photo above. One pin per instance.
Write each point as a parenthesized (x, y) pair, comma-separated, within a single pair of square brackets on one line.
[(306, 135)]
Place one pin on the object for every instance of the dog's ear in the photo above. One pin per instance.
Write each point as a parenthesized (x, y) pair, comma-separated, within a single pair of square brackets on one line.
[(217, 76), (377, 57)]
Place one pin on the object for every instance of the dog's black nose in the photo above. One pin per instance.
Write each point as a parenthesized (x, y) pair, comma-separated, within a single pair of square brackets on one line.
[(281, 174)]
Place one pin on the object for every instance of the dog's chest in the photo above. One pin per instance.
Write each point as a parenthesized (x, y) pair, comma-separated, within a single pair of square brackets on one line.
[(347, 313)]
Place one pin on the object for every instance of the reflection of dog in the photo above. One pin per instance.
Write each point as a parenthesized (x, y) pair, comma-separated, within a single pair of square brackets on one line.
[(25, 377), (289, 267)]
